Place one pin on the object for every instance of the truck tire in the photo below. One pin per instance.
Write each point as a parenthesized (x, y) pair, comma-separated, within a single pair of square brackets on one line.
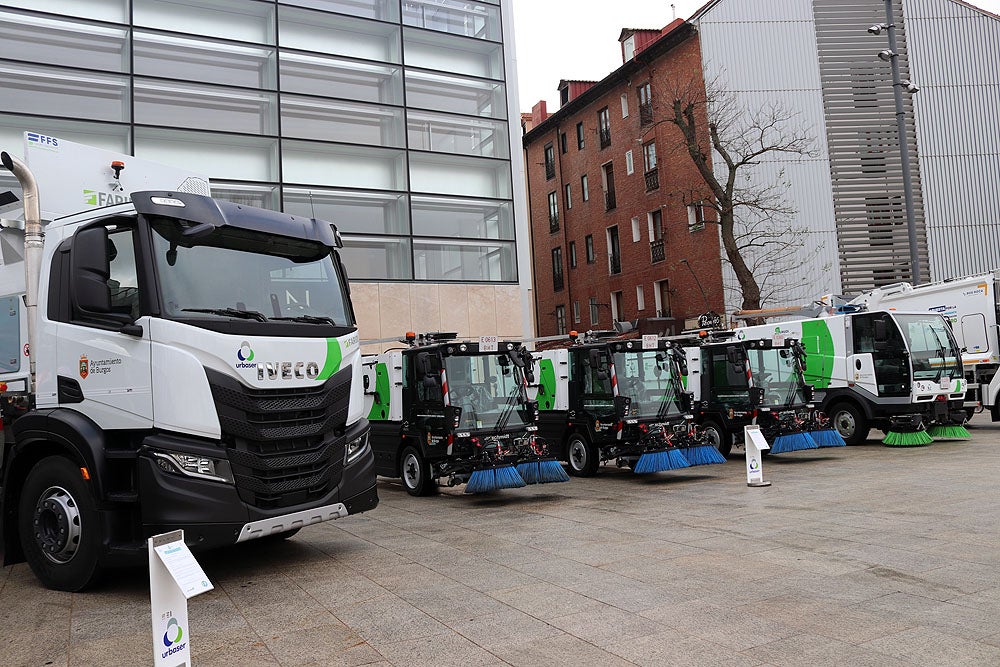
[(718, 437), (415, 472), (582, 456), (61, 533), (850, 422)]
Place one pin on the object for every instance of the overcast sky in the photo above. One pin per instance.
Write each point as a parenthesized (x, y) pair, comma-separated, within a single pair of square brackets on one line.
[(578, 39)]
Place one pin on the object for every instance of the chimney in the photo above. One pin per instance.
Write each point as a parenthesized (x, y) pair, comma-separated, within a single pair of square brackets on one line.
[(539, 113)]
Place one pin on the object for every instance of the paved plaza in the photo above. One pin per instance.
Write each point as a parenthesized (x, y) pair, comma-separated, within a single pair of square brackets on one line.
[(854, 556)]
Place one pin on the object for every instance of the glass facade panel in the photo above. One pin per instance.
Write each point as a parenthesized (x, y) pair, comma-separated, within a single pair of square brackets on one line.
[(61, 42), (203, 61), (377, 258), (361, 212), (463, 260), (261, 196), (457, 134), (384, 10), (331, 120), (205, 107), (115, 11), (432, 50), (242, 20), (89, 95), (101, 135), (458, 17), (442, 92), (343, 166), (229, 157), (462, 218), (334, 77), (473, 177), (325, 33)]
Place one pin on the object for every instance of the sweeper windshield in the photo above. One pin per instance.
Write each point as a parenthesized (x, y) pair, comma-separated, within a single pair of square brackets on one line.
[(775, 371), (933, 351), (646, 378), (488, 389)]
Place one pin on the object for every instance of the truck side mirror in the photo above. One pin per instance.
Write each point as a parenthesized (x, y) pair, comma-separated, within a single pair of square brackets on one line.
[(881, 331), (733, 357), (622, 405), (756, 396), (90, 264), (423, 364), (595, 358)]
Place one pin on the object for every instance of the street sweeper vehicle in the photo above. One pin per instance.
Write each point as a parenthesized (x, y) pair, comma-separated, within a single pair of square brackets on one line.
[(898, 372), (445, 410), (971, 305), (181, 363), (604, 399), (737, 383)]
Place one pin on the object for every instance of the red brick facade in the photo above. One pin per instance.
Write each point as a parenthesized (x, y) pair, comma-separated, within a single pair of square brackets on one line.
[(669, 189)]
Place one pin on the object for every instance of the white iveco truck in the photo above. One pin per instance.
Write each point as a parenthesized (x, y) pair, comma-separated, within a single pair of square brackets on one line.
[(170, 362)]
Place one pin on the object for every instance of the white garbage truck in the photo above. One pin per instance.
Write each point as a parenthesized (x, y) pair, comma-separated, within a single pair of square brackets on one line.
[(971, 305), (168, 361)]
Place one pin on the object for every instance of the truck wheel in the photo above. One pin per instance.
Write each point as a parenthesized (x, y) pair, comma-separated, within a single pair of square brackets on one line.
[(718, 437), (850, 422), (582, 456), (60, 531), (415, 472)]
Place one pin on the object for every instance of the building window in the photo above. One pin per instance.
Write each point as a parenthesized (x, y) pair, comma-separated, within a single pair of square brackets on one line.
[(640, 298), (629, 165), (696, 217), (550, 162), (553, 212), (645, 104), (557, 269), (624, 105), (608, 174), (614, 251), (560, 319), (594, 315), (661, 292), (579, 136), (585, 188), (617, 307), (656, 249), (590, 248), (636, 231), (649, 166), (562, 142), (572, 254), (604, 127), (569, 197), (576, 312), (629, 47)]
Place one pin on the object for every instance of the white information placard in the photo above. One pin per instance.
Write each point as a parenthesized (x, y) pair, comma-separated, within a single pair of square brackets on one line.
[(650, 341), (488, 343), (755, 443), (174, 576)]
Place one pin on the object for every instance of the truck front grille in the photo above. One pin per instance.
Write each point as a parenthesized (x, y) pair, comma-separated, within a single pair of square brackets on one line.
[(286, 446)]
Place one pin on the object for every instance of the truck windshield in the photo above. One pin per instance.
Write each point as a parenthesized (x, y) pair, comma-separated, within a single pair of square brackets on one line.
[(933, 350), (645, 377), (488, 389), (775, 371), (233, 272)]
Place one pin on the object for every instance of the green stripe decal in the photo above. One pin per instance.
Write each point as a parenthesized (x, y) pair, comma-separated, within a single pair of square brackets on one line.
[(333, 358)]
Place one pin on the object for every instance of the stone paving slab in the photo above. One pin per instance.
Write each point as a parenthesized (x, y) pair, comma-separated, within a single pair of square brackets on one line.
[(864, 556)]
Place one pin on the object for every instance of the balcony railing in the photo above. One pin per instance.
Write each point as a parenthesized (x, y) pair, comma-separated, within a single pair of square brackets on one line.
[(645, 114), (550, 170), (609, 200), (615, 264), (656, 251), (553, 223), (652, 179), (605, 134)]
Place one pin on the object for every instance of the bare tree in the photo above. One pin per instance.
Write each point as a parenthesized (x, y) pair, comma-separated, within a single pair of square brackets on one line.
[(728, 142)]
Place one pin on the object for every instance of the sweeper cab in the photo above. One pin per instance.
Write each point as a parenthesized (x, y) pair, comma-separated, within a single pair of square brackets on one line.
[(450, 411), (603, 399), (738, 381)]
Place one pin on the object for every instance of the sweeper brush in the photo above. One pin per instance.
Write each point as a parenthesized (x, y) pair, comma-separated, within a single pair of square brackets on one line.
[(660, 460), (702, 455), (949, 432), (792, 442), (492, 479), (542, 471), (911, 439), (827, 438)]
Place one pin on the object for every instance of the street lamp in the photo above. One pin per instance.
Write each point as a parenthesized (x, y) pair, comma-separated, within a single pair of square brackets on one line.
[(891, 55)]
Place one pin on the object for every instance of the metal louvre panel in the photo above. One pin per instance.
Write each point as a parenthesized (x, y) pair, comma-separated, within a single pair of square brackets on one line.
[(864, 152), (954, 54), (286, 446)]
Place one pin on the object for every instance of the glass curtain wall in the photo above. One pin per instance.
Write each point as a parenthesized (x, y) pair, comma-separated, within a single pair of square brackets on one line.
[(386, 117)]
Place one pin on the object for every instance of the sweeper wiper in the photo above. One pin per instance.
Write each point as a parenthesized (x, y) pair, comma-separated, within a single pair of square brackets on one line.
[(453, 412)]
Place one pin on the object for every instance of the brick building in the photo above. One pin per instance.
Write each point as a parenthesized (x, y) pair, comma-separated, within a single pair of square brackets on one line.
[(617, 231)]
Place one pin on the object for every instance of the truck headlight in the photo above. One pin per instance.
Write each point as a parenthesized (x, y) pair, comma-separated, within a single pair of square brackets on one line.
[(190, 465), (355, 449)]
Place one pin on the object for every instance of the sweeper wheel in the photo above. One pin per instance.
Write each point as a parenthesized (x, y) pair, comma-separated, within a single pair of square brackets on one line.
[(582, 456), (850, 422), (415, 472), (718, 437)]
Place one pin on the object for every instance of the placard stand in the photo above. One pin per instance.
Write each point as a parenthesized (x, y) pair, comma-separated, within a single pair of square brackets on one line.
[(174, 577), (753, 444)]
